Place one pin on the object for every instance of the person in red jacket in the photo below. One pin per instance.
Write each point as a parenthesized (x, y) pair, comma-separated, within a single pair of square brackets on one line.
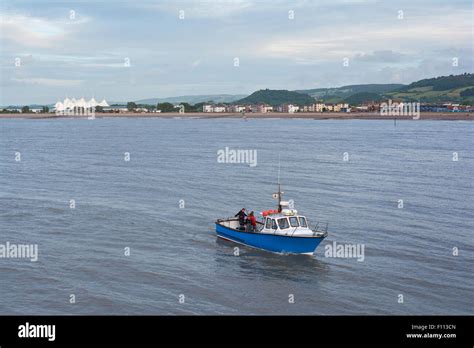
[(252, 222)]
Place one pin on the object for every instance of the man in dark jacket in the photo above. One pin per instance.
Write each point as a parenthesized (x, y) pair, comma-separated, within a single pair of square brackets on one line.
[(241, 214)]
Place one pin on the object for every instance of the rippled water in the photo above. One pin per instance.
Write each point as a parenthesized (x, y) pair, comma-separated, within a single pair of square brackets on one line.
[(174, 251)]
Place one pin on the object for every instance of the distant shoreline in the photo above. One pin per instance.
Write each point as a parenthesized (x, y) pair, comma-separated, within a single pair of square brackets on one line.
[(444, 116)]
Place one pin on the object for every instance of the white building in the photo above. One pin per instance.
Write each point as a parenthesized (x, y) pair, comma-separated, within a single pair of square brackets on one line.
[(236, 108), (319, 107), (219, 108), (207, 108), (290, 108), (265, 108), (214, 108)]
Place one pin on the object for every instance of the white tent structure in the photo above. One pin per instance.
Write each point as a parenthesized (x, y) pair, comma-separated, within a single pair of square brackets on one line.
[(78, 107), (68, 104), (93, 103), (59, 106), (103, 103), (81, 103)]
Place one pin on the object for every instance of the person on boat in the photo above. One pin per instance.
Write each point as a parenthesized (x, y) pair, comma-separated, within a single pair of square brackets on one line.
[(252, 222), (241, 214)]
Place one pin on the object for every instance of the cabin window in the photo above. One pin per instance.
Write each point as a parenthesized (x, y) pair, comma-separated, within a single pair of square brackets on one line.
[(274, 224), (303, 222), (268, 223), (283, 223), (294, 222)]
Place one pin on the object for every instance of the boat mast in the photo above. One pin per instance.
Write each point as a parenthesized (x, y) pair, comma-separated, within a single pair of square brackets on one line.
[(279, 186), (279, 198)]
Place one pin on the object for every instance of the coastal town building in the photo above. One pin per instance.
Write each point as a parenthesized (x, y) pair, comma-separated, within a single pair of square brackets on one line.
[(254, 108), (220, 108), (319, 107), (267, 108), (339, 107), (236, 108), (207, 108), (214, 108), (261, 108), (289, 108), (459, 108), (118, 109)]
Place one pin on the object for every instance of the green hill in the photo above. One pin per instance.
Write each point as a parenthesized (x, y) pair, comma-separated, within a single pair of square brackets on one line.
[(360, 98), (333, 95), (452, 88), (276, 97), (467, 92), (443, 83)]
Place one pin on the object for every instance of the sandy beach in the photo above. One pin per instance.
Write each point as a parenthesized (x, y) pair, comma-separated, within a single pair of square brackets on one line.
[(445, 116)]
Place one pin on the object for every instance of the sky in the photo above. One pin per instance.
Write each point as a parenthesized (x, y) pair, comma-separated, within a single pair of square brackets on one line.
[(130, 50)]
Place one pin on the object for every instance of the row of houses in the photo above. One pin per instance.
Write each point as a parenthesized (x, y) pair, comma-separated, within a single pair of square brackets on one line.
[(80, 104), (424, 107), (285, 108), (260, 108), (20, 110), (447, 107), (323, 107)]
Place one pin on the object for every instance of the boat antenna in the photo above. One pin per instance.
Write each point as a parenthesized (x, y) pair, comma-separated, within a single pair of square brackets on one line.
[(278, 169), (279, 185)]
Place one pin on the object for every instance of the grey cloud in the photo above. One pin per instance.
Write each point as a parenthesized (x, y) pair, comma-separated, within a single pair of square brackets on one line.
[(385, 56)]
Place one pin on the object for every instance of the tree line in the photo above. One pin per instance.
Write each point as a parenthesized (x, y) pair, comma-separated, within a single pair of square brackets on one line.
[(166, 107)]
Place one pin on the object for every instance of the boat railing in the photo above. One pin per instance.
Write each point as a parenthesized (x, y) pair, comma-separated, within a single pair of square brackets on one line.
[(233, 218), (230, 218), (321, 228)]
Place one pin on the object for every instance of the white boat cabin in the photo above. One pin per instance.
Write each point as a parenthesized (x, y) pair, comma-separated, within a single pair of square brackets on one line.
[(287, 223)]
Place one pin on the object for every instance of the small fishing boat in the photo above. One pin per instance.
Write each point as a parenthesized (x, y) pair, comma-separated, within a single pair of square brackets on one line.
[(281, 231)]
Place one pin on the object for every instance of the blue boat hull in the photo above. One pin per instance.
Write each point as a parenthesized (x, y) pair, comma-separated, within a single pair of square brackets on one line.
[(270, 242)]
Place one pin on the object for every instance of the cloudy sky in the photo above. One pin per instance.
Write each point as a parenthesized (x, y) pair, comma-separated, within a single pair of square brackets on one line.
[(129, 50)]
